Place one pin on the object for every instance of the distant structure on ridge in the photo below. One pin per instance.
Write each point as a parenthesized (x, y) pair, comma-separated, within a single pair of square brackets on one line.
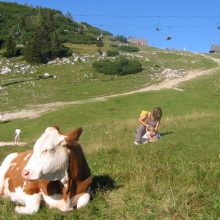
[(215, 48), (137, 41)]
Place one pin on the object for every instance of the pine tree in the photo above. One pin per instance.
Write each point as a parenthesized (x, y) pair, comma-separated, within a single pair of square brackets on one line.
[(38, 49), (10, 45), (50, 21), (45, 43), (55, 45), (33, 52)]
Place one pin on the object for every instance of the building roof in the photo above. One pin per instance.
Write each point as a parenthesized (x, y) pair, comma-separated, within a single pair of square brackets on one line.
[(215, 48), (136, 39)]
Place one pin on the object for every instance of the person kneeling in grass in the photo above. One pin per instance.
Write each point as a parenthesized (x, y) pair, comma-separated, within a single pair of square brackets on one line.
[(148, 119)]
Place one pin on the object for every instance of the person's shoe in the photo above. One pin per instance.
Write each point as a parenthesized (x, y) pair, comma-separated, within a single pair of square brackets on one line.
[(136, 143)]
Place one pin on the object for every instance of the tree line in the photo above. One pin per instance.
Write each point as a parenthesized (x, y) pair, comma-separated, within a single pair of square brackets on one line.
[(43, 43)]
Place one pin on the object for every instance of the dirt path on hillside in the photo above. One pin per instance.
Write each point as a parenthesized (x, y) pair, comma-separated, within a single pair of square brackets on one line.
[(36, 111), (12, 144)]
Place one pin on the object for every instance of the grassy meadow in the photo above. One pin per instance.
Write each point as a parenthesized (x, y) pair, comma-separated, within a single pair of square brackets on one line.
[(81, 81), (177, 177)]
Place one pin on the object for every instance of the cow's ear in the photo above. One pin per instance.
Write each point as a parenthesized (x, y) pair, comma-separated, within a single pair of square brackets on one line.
[(73, 136), (58, 128)]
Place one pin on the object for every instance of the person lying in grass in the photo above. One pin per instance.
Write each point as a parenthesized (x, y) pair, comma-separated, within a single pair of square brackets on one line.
[(148, 119)]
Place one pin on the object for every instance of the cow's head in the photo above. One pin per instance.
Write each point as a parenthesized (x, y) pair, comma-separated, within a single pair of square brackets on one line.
[(50, 156)]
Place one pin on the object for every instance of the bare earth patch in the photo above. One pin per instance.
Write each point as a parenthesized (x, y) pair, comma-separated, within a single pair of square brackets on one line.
[(36, 111), (12, 144)]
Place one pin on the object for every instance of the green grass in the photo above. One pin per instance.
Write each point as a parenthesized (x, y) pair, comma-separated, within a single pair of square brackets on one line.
[(82, 48), (215, 55), (174, 178), (81, 81), (74, 82), (177, 59)]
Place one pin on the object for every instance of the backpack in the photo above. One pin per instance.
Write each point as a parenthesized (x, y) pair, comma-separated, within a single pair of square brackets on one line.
[(143, 112)]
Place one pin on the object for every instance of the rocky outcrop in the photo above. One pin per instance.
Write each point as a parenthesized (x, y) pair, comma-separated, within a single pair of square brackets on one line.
[(173, 73), (70, 60)]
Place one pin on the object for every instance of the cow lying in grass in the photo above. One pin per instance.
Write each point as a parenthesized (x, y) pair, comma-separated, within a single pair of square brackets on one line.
[(56, 171)]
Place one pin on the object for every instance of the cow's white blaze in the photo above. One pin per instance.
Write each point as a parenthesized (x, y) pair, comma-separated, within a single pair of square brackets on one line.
[(50, 157)]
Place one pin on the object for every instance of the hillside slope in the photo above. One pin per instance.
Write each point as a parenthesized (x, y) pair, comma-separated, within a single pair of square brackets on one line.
[(17, 20), (74, 78), (174, 178), (38, 110)]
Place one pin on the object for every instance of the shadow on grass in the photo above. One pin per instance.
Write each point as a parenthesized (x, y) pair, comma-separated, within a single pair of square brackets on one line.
[(28, 80), (16, 82), (4, 122), (103, 183), (166, 133)]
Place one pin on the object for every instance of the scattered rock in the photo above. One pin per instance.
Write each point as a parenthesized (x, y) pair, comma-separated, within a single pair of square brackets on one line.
[(178, 89), (76, 59), (52, 62), (172, 73), (70, 60), (133, 55), (10, 67), (46, 74), (5, 70)]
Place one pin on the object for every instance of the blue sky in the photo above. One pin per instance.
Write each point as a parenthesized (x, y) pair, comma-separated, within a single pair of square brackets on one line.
[(192, 23)]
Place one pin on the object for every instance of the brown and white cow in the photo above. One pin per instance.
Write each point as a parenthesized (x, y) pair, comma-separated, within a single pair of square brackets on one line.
[(56, 171)]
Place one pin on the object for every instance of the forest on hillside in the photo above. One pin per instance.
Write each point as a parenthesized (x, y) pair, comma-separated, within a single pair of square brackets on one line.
[(39, 33)]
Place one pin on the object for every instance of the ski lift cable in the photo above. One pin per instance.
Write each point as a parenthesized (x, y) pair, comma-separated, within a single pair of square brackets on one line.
[(149, 16), (152, 26)]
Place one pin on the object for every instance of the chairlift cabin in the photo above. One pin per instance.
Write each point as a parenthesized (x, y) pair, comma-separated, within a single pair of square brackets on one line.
[(100, 37), (157, 27), (169, 37)]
